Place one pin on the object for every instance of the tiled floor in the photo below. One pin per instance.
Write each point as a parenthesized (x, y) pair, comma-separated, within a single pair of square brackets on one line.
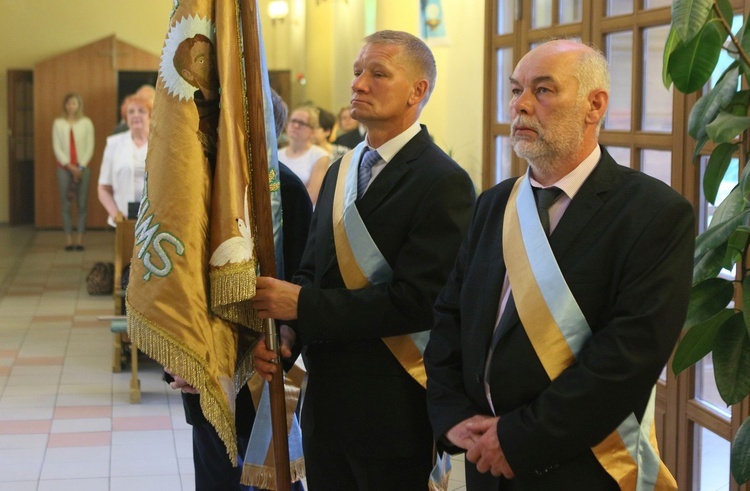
[(65, 419)]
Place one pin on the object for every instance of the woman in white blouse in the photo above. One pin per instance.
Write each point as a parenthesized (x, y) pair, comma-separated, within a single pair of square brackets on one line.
[(73, 145), (308, 161), (124, 163)]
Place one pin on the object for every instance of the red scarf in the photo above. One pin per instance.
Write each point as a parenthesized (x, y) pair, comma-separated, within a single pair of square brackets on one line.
[(73, 154)]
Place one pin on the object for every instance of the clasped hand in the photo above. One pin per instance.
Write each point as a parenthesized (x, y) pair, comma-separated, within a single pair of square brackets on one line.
[(75, 172), (181, 384), (478, 436)]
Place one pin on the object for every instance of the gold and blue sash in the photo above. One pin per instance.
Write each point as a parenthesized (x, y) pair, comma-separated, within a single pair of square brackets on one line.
[(558, 330), (361, 263), (258, 468)]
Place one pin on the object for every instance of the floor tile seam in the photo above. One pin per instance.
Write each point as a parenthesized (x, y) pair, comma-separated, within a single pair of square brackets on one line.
[(16, 265)]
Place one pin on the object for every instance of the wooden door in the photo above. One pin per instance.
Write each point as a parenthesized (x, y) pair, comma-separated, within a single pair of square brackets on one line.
[(91, 71), (281, 82), (21, 146)]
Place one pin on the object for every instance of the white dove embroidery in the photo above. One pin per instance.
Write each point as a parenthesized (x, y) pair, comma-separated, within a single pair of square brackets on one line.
[(236, 249)]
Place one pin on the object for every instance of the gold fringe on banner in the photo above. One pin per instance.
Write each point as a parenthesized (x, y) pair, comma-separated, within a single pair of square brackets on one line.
[(159, 345), (232, 287), (244, 369), (265, 478)]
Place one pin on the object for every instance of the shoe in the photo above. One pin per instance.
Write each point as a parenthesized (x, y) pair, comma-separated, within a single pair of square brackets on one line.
[(79, 247), (70, 247)]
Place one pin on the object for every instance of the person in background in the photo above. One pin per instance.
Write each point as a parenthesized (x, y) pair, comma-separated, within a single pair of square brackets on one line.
[(361, 302), (565, 302), (344, 122), (351, 138), (322, 135), (73, 146), (213, 469), (146, 91), (124, 163), (302, 156)]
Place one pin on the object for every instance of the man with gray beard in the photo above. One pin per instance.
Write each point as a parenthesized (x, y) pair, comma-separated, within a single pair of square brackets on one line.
[(565, 302)]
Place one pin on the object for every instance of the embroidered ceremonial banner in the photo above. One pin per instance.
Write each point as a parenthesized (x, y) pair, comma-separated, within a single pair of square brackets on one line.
[(558, 330), (362, 264), (193, 266)]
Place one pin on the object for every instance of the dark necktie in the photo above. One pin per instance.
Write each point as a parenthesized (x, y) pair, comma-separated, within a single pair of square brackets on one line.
[(545, 197), (370, 158)]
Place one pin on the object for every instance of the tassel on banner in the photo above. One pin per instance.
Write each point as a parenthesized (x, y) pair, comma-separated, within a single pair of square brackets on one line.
[(440, 475)]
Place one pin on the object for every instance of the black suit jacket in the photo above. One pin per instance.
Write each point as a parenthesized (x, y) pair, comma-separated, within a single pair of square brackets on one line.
[(625, 247), (350, 139), (417, 211)]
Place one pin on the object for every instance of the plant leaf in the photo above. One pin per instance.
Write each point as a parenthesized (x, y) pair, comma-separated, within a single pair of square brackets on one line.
[(672, 41), (708, 298), (744, 183), (688, 16), (716, 169), (735, 247), (692, 64), (731, 207), (740, 458), (699, 146), (731, 356), (708, 106), (698, 341), (727, 12), (729, 215), (726, 127), (744, 36), (746, 301), (739, 103), (708, 265)]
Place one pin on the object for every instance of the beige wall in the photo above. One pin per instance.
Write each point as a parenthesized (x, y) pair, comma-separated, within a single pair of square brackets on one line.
[(34, 30), (454, 114), (330, 34), (319, 40)]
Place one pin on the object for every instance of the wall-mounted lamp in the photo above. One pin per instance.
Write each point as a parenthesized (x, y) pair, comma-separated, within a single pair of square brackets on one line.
[(278, 11), (432, 16)]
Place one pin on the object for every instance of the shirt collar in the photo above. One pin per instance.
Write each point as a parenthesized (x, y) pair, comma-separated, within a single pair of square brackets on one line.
[(390, 148), (572, 182)]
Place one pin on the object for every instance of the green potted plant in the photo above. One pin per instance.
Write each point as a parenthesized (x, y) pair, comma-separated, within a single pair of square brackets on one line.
[(700, 30)]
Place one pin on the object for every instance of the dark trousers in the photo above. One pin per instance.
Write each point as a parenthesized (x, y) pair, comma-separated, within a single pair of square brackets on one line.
[(82, 197), (213, 469), (332, 468)]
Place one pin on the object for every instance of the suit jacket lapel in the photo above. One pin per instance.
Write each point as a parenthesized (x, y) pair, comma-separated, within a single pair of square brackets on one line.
[(389, 177), (380, 187), (488, 316), (581, 210), (493, 266), (585, 205)]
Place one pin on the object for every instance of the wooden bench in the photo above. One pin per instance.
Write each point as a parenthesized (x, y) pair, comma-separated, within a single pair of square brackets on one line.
[(118, 325), (124, 241)]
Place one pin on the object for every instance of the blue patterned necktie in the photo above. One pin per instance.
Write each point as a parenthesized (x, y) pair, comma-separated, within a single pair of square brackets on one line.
[(370, 158)]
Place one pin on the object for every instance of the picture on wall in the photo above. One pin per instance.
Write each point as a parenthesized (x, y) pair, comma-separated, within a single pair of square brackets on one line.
[(432, 24)]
